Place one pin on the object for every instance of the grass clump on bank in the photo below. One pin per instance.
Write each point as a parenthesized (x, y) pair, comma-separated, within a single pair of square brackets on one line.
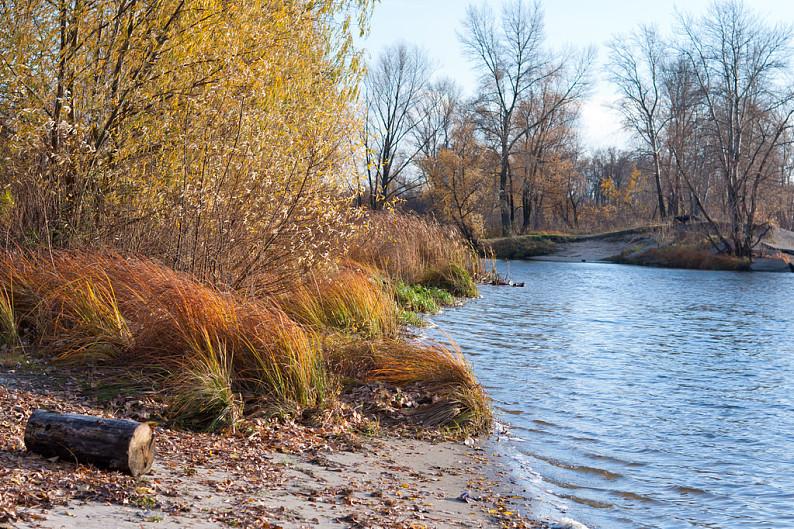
[(453, 396), (212, 355), (684, 257), (90, 309), (453, 278), (427, 264), (352, 299)]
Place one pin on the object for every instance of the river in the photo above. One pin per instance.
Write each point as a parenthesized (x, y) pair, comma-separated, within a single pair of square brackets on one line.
[(640, 397)]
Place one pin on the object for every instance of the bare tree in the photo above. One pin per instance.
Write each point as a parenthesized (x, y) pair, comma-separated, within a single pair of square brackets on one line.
[(544, 146), (741, 66), (687, 154), (441, 106), (636, 67), (394, 91), (510, 57)]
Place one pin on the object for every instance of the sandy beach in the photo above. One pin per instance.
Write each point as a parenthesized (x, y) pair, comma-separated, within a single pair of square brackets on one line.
[(262, 475)]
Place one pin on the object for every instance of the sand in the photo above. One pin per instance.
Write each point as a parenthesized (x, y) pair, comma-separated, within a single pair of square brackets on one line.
[(392, 483), (265, 475)]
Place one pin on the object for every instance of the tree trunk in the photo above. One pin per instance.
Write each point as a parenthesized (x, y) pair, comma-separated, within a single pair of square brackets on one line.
[(657, 176), (504, 203), (526, 207), (113, 444)]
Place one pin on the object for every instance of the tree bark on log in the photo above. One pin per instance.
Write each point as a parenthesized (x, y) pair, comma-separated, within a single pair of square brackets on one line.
[(113, 444)]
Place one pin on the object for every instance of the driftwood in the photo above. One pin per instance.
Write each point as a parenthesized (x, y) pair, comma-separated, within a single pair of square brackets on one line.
[(113, 444)]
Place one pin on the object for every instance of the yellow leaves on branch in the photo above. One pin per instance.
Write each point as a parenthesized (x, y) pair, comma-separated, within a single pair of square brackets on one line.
[(179, 127)]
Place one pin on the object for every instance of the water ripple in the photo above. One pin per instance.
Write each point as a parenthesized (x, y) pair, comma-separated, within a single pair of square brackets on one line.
[(642, 397)]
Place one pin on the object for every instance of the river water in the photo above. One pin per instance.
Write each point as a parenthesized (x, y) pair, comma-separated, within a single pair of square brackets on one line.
[(640, 397)]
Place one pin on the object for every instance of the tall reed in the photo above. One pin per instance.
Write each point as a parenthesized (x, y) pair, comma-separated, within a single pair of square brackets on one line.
[(406, 246)]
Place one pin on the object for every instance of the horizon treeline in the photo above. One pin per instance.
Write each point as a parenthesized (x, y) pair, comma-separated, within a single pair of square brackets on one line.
[(709, 109)]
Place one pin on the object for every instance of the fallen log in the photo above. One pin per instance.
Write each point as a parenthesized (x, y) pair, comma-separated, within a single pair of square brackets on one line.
[(113, 444)]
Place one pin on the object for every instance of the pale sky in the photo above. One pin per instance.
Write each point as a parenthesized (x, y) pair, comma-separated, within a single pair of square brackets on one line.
[(433, 24)]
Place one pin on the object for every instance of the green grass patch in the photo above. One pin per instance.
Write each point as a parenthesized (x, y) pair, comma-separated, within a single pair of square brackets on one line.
[(524, 247), (419, 298), (453, 278)]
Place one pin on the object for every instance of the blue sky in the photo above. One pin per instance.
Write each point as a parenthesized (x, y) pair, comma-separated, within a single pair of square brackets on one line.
[(433, 25)]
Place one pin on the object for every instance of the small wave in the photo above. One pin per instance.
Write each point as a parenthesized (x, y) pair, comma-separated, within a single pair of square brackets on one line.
[(595, 504)]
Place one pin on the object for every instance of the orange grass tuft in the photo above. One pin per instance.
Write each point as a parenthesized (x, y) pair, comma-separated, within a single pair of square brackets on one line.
[(354, 299), (441, 369), (93, 308)]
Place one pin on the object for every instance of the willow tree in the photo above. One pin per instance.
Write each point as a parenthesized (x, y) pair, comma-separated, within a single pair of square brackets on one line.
[(205, 132)]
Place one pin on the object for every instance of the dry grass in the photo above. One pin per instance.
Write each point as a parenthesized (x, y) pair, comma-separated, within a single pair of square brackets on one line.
[(405, 247), (213, 353), (440, 369), (353, 299), (9, 334), (90, 308)]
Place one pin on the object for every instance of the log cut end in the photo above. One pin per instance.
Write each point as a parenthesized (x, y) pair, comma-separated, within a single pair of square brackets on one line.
[(141, 450)]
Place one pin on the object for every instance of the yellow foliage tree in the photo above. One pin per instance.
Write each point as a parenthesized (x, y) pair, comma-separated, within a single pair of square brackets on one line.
[(208, 133), (458, 187)]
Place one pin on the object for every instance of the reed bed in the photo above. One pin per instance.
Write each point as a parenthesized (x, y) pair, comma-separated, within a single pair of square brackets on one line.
[(409, 248)]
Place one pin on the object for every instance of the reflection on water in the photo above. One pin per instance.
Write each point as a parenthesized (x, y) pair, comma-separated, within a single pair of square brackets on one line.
[(642, 397)]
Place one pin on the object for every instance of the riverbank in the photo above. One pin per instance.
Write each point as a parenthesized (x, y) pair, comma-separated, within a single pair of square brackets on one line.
[(265, 473), (679, 246)]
